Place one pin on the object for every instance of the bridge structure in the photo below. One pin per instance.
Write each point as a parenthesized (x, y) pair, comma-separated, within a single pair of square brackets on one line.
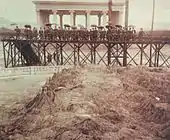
[(152, 52), (80, 47)]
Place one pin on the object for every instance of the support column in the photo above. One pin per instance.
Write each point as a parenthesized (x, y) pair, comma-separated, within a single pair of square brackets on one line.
[(126, 13), (61, 20), (71, 17), (55, 17), (39, 21), (88, 20), (105, 18), (121, 18), (74, 19), (99, 19), (45, 18)]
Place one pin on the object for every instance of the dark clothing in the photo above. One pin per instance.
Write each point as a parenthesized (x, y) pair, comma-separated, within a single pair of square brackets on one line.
[(141, 34)]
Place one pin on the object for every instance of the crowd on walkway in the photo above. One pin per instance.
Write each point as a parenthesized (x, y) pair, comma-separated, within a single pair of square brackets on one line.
[(68, 33)]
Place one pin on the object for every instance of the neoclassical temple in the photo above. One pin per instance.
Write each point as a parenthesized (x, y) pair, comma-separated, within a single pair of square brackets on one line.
[(46, 8)]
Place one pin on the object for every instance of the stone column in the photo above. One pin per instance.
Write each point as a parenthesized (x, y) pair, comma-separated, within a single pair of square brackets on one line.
[(39, 21), (61, 20), (121, 15), (105, 18), (74, 19), (45, 17), (99, 19), (71, 17), (55, 17), (88, 19)]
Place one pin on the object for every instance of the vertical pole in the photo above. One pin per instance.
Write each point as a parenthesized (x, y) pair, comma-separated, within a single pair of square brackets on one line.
[(19, 54), (22, 59), (55, 17), (61, 21), (88, 20), (155, 56), (104, 18), (75, 47), (78, 54), (74, 19), (109, 54), (110, 11), (61, 53), (126, 13), (91, 50), (153, 16), (44, 51), (39, 18), (120, 22), (158, 54), (99, 20), (15, 54), (71, 17), (94, 53), (141, 55), (152, 24), (12, 57), (4, 51), (125, 54), (9, 47), (126, 26), (56, 55)]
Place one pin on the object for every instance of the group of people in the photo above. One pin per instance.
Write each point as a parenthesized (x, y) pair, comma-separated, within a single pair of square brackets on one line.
[(109, 33)]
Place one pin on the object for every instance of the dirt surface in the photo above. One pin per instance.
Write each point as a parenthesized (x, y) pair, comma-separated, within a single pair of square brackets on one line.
[(94, 103)]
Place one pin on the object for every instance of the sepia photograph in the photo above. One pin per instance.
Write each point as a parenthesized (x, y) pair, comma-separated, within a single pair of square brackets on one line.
[(84, 70)]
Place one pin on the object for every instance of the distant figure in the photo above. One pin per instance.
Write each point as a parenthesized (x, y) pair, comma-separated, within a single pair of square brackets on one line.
[(41, 33), (26, 32), (91, 34), (35, 32), (134, 33), (45, 32), (50, 33), (130, 34), (18, 31), (55, 33), (141, 33), (133, 30)]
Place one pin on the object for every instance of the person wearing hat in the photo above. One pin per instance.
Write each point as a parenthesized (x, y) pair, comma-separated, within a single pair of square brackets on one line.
[(134, 33), (41, 33), (50, 33), (141, 33), (91, 34), (29, 31), (109, 34), (35, 33), (60, 33), (100, 29), (45, 33), (26, 32), (18, 31), (55, 32)]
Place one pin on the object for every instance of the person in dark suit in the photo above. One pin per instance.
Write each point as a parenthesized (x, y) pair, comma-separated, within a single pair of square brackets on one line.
[(18, 31)]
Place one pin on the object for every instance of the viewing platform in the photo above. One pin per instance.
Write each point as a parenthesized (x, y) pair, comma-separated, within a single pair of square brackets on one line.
[(146, 51)]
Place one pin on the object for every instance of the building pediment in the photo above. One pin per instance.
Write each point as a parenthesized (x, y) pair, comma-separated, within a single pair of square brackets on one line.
[(63, 5), (120, 2)]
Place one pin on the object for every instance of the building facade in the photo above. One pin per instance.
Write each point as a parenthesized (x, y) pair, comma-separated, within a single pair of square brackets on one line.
[(46, 8)]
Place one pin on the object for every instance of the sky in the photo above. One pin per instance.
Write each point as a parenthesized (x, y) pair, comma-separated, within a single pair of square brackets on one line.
[(140, 12)]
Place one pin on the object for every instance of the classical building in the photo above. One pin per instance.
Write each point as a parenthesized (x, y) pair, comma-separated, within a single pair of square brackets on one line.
[(45, 8)]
